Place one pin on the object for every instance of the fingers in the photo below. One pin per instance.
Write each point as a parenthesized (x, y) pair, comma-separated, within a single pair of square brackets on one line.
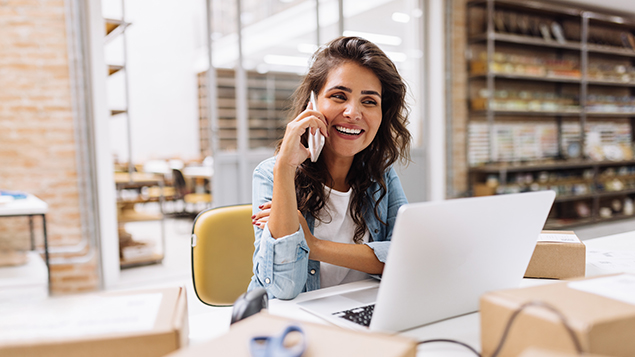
[(259, 219)]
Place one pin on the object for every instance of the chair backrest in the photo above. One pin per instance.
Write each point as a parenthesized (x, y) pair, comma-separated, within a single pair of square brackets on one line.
[(222, 250), (179, 182)]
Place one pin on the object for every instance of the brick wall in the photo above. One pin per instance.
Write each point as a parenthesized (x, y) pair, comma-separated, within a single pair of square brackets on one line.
[(37, 146), (459, 184)]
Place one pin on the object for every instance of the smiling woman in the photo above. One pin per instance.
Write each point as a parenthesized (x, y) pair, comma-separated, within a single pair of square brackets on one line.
[(329, 222)]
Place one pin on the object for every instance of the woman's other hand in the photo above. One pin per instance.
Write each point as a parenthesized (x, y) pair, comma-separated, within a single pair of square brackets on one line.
[(262, 217)]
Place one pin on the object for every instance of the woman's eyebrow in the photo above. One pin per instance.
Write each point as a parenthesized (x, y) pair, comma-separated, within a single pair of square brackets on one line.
[(346, 89), (371, 92)]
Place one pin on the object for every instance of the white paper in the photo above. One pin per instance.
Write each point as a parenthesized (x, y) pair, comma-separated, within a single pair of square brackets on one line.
[(601, 262), (619, 287), (56, 318), (558, 237)]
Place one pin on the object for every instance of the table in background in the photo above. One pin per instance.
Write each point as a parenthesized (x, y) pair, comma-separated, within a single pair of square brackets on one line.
[(29, 207)]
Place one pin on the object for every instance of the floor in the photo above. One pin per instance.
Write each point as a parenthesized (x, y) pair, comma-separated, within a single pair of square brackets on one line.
[(175, 269)]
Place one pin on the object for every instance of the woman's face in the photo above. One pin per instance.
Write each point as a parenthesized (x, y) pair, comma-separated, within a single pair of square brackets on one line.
[(351, 103)]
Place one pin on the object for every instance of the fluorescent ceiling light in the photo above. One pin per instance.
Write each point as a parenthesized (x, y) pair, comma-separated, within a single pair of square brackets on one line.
[(287, 60), (400, 17), (376, 38), (307, 48), (397, 56)]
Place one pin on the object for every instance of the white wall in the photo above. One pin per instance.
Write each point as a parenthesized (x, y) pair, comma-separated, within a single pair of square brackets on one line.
[(163, 104)]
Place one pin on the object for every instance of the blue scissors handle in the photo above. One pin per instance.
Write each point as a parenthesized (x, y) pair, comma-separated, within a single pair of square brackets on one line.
[(273, 346)]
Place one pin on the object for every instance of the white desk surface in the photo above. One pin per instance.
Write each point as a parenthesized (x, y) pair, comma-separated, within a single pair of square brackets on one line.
[(24, 207), (466, 328), (198, 171)]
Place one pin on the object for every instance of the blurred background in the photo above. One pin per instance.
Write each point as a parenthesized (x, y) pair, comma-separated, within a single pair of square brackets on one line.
[(125, 118)]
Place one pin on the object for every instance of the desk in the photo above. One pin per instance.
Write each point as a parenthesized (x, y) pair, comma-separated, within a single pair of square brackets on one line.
[(198, 171), (29, 207), (466, 328)]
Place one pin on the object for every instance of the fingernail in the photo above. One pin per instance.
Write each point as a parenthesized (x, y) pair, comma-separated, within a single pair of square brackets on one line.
[(254, 216), (261, 206)]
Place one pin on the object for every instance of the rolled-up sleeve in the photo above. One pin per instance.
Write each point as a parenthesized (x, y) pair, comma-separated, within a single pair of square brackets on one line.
[(279, 265), (388, 208)]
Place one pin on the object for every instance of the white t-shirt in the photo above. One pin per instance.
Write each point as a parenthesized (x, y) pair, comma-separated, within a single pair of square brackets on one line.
[(337, 226)]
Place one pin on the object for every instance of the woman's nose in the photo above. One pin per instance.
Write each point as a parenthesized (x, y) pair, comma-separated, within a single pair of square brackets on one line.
[(353, 111)]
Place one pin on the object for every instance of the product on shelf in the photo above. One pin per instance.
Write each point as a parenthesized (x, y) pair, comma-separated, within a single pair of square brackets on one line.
[(532, 66), (552, 107)]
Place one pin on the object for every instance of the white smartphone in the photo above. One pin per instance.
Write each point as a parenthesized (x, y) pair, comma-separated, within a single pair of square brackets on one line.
[(316, 141)]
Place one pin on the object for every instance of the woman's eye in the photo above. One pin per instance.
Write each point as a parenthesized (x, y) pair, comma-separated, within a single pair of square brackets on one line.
[(370, 102), (339, 96)]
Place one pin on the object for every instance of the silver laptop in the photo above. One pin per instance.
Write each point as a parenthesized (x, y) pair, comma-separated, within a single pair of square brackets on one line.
[(444, 255)]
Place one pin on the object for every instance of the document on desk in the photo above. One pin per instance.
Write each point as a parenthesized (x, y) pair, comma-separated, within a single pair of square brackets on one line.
[(601, 262), (59, 318), (558, 237), (619, 287)]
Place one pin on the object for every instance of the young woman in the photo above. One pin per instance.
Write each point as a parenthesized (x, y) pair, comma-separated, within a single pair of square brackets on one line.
[(330, 222)]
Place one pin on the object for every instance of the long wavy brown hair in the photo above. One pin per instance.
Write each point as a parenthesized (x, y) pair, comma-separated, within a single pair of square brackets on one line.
[(391, 143)]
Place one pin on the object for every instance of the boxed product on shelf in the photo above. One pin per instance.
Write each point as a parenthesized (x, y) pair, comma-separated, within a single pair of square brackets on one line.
[(604, 140), (598, 312), (558, 255), (152, 322), (511, 142)]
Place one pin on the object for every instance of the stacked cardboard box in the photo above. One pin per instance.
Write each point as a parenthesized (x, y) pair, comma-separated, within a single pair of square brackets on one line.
[(558, 255)]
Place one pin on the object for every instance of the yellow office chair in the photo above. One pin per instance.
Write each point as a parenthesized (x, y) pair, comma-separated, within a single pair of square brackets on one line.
[(222, 249)]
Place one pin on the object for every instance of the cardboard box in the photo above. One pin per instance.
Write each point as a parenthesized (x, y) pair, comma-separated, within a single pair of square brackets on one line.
[(148, 323), (602, 324), (321, 340), (558, 255)]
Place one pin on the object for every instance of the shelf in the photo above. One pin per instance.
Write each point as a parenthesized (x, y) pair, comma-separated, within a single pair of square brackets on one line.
[(565, 223), (526, 112), (525, 40), (569, 198), (615, 193), (131, 216), (611, 114), (138, 179), (114, 112), (545, 166), (586, 65), (529, 78), (155, 258), (114, 28), (112, 69), (532, 5)]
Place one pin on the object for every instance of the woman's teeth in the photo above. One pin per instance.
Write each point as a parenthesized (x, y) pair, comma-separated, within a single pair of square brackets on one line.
[(348, 130)]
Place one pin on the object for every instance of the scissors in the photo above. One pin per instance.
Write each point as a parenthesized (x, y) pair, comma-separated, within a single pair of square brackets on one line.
[(273, 346)]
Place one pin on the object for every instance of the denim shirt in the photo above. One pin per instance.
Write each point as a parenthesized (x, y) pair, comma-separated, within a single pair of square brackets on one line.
[(282, 266)]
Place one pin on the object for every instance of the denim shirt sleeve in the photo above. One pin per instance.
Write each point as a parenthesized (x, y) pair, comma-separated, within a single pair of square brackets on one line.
[(388, 208), (279, 265)]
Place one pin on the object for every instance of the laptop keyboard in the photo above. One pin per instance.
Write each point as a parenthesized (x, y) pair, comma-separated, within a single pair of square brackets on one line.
[(359, 315)]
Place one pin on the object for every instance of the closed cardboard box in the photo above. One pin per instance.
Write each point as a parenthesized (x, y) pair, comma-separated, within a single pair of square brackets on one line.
[(600, 312), (148, 323), (321, 340), (558, 255)]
